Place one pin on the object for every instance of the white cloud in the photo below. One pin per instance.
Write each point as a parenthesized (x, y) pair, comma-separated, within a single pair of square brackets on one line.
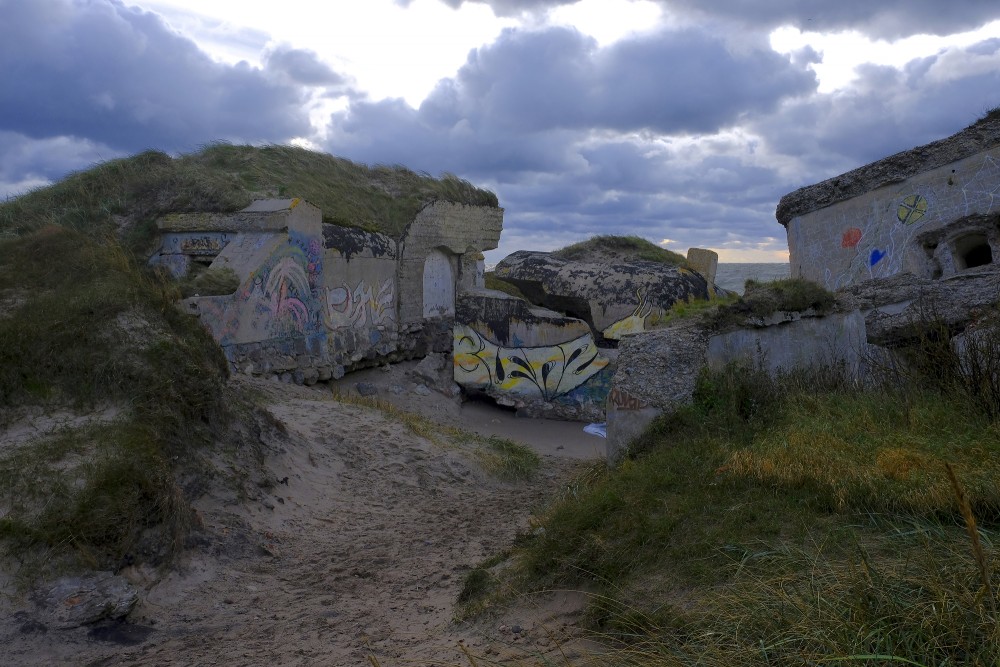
[(388, 50), (843, 52), (608, 21)]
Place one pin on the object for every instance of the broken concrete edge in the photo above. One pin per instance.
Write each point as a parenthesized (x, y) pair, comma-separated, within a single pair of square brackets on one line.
[(981, 135)]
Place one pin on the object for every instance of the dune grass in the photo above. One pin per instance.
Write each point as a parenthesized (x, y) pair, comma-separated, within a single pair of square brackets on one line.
[(86, 327), (634, 246), (129, 194), (799, 520), (500, 457)]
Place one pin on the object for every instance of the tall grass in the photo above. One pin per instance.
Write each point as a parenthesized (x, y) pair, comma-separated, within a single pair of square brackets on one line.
[(130, 193), (89, 328), (796, 520)]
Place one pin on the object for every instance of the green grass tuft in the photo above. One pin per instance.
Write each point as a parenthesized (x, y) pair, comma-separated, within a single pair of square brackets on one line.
[(762, 299), (508, 460), (495, 283)]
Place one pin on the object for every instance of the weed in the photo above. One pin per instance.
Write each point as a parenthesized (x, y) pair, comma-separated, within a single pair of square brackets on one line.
[(495, 283), (762, 299)]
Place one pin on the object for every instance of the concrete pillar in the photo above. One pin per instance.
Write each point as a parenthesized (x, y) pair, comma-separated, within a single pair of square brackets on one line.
[(705, 262)]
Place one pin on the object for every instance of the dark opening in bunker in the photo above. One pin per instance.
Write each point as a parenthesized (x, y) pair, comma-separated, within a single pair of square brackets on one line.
[(972, 251)]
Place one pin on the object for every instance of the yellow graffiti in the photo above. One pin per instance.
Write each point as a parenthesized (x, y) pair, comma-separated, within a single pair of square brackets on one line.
[(548, 371), (633, 324), (295, 202), (911, 209)]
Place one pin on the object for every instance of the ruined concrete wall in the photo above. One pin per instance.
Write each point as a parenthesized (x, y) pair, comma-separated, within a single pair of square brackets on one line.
[(981, 136), (359, 288), (317, 300), (791, 342), (274, 322), (705, 262), (900, 227), (430, 266), (617, 298), (930, 211), (658, 370), (541, 362)]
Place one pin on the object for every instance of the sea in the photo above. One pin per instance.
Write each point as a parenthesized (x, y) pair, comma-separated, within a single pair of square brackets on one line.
[(733, 275)]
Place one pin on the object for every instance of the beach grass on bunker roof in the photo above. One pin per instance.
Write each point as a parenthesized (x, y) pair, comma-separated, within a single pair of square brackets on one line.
[(635, 246), (135, 191)]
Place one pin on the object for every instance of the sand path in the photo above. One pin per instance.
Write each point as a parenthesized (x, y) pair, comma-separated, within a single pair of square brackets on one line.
[(357, 552)]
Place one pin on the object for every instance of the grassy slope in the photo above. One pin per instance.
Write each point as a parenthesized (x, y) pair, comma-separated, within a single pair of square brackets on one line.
[(784, 523), (224, 177), (88, 330)]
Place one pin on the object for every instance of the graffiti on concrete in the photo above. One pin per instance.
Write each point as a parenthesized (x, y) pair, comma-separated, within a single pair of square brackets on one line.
[(878, 232), (911, 209), (360, 307), (622, 400), (634, 323), (278, 299), (851, 238), (548, 371), (285, 292)]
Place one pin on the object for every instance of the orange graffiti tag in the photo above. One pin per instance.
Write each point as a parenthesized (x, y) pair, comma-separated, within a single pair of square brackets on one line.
[(851, 238), (624, 401)]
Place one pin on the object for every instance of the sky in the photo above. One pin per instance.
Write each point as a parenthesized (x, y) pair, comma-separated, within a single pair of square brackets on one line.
[(681, 121)]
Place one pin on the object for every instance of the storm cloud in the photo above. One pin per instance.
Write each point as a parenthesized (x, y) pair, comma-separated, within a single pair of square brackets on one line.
[(115, 75), (690, 131), (887, 19)]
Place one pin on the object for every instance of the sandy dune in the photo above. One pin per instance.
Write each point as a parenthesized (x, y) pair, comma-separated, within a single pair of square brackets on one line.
[(356, 550)]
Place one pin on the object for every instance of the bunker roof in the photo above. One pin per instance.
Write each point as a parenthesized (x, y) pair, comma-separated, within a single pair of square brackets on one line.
[(981, 135)]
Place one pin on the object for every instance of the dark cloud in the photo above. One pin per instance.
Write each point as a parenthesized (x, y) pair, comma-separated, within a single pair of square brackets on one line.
[(882, 18), (505, 7), (100, 71), (885, 18), (885, 111), (303, 67), (567, 165), (580, 140), (28, 163), (671, 81)]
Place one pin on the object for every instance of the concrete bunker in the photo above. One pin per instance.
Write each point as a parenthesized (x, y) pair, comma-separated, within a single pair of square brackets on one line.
[(316, 300), (929, 211)]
